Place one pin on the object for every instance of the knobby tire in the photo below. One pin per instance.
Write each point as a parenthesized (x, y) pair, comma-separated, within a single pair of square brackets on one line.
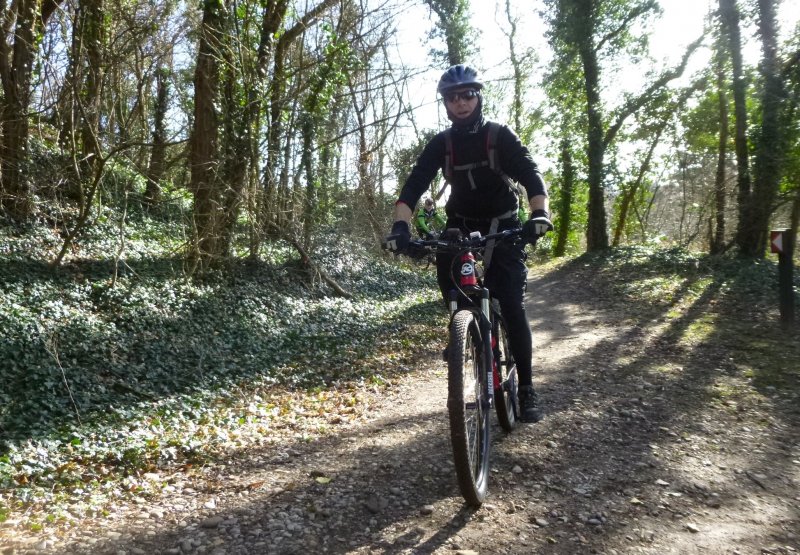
[(468, 407)]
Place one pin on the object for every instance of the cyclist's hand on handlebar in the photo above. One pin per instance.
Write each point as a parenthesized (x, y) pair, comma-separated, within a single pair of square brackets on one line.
[(537, 225), (398, 239)]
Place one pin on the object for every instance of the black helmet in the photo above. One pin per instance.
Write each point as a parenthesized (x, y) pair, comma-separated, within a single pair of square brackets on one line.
[(459, 76)]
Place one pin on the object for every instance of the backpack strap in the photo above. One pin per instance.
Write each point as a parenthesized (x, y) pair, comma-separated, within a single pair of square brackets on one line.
[(494, 164), (491, 153), (491, 146), (447, 170)]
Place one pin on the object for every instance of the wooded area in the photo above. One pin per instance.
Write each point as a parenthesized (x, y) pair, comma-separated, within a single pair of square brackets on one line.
[(192, 198), (276, 119)]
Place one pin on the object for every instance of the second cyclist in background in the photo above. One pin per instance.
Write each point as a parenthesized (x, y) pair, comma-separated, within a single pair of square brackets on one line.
[(429, 223)]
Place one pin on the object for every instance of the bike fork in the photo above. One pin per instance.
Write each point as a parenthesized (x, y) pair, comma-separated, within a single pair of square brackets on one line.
[(488, 353), (485, 326)]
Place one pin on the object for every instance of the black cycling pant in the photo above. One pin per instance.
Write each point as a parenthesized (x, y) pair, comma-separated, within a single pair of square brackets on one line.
[(506, 278)]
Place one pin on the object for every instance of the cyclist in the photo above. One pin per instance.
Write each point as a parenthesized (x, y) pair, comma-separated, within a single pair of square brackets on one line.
[(482, 199), (429, 221)]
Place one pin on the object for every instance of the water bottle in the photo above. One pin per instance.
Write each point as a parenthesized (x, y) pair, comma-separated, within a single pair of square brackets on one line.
[(468, 278)]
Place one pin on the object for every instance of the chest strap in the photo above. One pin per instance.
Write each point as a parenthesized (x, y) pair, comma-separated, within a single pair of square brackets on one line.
[(468, 168)]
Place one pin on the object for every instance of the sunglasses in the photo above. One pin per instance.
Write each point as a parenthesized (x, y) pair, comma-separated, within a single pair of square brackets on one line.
[(466, 95)]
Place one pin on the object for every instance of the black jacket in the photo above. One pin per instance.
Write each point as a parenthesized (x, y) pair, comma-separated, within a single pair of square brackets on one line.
[(490, 195)]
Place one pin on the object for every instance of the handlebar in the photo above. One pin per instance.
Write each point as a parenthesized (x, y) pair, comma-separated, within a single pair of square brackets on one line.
[(475, 241)]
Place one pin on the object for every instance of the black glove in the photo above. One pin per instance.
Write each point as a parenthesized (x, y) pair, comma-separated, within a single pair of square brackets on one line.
[(398, 239), (537, 225)]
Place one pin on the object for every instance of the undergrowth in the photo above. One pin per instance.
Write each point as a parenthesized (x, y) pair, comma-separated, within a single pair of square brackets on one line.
[(117, 365), (113, 366), (724, 302)]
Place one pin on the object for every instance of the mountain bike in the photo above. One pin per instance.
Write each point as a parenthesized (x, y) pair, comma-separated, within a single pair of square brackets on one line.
[(481, 372)]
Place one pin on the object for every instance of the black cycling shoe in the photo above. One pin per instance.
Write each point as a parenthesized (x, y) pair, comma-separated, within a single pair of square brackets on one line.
[(528, 405)]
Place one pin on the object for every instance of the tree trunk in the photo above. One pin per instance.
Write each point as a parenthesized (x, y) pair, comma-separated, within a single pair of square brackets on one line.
[(16, 193), (596, 233), (277, 101), (68, 110), (770, 148), (745, 232), (309, 166), (204, 141), (158, 152), (93, 39), (274, 14), (235, 142), (795, 223), (718, 238), (567, 188), (16, 67)]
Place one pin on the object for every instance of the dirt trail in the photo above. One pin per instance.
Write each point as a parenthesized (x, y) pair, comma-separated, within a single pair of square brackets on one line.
[(646, 447)]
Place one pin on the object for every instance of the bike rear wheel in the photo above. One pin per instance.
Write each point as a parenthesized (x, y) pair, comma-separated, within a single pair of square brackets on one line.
[(468, 407), (505, 396)]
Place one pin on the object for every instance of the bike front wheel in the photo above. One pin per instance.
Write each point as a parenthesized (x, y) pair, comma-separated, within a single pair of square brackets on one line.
[(468, 407)]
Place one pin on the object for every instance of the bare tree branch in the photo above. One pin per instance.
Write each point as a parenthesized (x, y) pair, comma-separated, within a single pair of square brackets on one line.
[(633, 105), (636, 12)]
